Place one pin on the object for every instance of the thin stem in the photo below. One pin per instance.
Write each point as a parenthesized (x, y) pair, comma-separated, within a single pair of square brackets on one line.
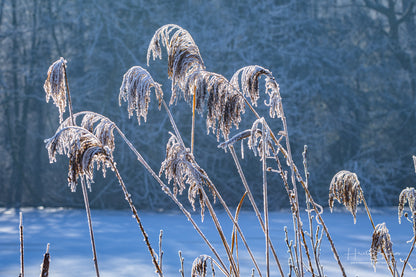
[(136, 215), (408, 256), (212, 185), (69, 96), (87, 209), (292, 168), (172, 121), (219, 230), (265, 207), (193, 122), (22, 267), (308, 209)]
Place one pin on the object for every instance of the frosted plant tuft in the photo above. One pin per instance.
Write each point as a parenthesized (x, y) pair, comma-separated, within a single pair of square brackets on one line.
[(408, 195), (199, 266), (346, 188), (181, 167), (83, 149), (250, 76), (135, 90), (381, 242), (183, 55), (55, 86)]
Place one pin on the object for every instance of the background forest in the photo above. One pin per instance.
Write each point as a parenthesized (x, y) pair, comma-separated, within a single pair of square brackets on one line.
[(346, 69)]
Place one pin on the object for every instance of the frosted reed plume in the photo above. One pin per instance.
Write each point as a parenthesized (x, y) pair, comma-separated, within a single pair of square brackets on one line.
[(250, 76), (135, 90), (381, 242), (346, 188), (83, 149), (181, 167), (183, 55), (408, 195), (199, 266), (55, 86), (224, 103)]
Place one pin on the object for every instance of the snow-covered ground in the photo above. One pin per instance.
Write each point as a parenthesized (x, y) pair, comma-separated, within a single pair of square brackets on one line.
[(122, 252)]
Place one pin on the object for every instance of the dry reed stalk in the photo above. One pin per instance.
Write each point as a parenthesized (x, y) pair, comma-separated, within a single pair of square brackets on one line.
[(84, 150), (45, 264), (181, 260), (276, 109), (160, 250), (167, 190), (309, 211), (57, 87), (249, 76), (253, 203), (87, 209), (180, 166), (22, 264), (234, 236)]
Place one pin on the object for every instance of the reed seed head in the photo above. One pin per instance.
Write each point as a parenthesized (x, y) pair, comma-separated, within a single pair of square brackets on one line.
[(346, 188), (408, 195), (199, 266), (55, 86), (135, 90), (181, 167), (224, 103), (260, 135), (183, 54), (249, 77), (381, 241), (83, 149)]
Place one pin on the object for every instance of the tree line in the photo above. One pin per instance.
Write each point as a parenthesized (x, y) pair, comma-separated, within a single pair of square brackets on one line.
[(346, 71)]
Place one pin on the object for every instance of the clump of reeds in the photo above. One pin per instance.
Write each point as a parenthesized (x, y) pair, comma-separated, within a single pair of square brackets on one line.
[(90, 145)]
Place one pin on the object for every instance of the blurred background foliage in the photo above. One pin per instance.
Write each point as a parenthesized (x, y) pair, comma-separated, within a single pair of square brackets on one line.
[(346, 69)]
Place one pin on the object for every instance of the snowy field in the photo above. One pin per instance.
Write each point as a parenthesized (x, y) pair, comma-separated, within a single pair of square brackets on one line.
[(122, 252)]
